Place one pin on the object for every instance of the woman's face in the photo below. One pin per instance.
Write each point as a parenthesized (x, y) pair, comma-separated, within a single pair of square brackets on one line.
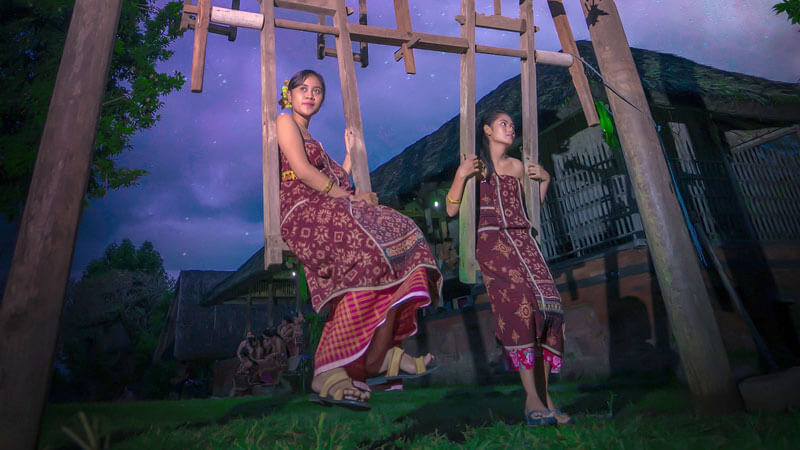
[(307, 98), (501, 130)]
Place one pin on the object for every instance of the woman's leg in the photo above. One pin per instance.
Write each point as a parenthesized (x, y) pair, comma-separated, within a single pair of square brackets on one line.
[(533, 400), (563, 418), (377, 358)]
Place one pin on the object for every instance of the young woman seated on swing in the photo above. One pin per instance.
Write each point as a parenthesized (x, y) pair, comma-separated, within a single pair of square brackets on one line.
[(368, 263)]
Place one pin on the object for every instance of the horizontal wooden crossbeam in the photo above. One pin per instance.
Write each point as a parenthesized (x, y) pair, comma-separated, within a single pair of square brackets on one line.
[(379, 35), (304, 26), (312, 6), (501, 23), (327, 51)]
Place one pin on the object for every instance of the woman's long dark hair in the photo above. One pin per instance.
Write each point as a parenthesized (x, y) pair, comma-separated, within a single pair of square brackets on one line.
[(482, 142), (298, 79)]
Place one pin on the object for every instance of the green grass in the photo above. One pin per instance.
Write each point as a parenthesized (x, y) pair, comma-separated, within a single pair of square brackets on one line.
[(486, 417)]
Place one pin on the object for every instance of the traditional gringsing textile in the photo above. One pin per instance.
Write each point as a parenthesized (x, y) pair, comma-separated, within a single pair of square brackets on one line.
[(524, 299), (353, 320), (524, 358), (368, 252)]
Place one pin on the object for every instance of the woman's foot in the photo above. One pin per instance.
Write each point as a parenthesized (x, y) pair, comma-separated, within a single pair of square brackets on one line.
[(334, 387), (562, 417), (397, 365), (408, 364)]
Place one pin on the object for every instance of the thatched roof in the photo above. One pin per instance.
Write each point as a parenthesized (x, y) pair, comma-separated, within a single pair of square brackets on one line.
[(668, 80)]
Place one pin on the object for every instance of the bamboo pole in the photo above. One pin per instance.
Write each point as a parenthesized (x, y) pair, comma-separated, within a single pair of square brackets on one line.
[(568, 45), (468, 265), (530, 117), (34, 296), (352, 107), (685, 296), (273, 243)]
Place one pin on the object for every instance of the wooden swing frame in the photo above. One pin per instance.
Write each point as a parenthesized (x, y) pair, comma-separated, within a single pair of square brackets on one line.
[(204, 18)]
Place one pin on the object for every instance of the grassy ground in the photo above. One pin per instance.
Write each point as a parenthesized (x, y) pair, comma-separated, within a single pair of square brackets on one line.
[(609, 415)]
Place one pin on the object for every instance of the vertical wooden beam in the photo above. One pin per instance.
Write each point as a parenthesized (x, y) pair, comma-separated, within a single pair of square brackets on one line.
[(403, 18), (568, 45), (685, 296), (249, 314), (270, 303), (352, 108), (34, 295), (298, 301), (530, 117), (232, 31), (362, 19), (199, 46), (273, 244), (497, 9), (468, 266), (321, 38)]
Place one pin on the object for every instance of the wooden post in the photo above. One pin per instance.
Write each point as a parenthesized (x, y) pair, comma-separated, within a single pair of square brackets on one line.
[(568, 45), (34, 296), (530, 117), (352, 108), (497, 11), (468, 265), (248, 318), (403, 19), (362, 46), (270, 302), (273, 243), (199, 46), (685, 296)]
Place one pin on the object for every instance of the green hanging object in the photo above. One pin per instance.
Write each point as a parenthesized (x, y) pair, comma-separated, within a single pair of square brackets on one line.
[(607, 124), (301, 281)]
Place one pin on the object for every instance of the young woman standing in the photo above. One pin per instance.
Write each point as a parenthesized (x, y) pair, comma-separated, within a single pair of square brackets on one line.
[(525, 301)]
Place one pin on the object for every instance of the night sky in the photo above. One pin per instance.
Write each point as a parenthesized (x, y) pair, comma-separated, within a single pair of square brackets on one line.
[(201, 203)]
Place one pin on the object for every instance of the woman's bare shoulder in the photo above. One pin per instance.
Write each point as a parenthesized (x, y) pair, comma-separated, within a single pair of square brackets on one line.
[(513, 166)]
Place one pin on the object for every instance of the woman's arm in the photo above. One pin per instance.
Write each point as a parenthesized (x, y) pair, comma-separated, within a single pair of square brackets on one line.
[(291, 143), (469, 167), (537, 173), (347, 164)]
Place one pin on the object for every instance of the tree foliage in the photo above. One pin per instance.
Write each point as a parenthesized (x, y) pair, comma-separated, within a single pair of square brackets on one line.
[(791, 8), (32, 35), (112, 322)]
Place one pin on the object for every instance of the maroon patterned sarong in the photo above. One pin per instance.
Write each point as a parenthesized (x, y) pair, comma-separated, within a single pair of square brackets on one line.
[(364, 253), (524, 299)]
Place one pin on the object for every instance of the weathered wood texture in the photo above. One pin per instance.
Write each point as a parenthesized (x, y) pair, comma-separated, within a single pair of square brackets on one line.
[(363, 49), (530, 117), (568, 45), (403, 18), (273, 242), (199, 46), (237, 18), (352, 107), (468, 265), (327, 7), (690, 315), (34, 295)]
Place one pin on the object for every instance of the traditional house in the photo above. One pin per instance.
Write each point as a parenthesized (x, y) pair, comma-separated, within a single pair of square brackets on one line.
[(733, 144)]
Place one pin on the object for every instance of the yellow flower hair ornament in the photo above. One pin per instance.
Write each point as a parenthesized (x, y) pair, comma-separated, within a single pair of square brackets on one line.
[(284, 101)]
